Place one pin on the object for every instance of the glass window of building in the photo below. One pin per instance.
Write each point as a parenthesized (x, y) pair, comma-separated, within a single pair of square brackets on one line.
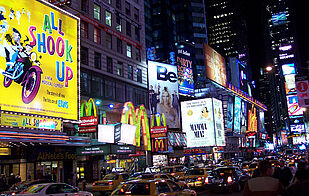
[(109, 64), (84, 55), (84, 29), (118, 23), (108, 18), (96, 11), (120, 92), (85, 83), (138, 54), (97, 60), (97, 35), (137, 34), (129, 93), (129, 50), (97, 86), (109, 41), (128, 28), (119, 68), (139, 75), (84, 5), (136, 14), (130, 72), (109, 89), (119, 45), (118, 4), (128, 8)]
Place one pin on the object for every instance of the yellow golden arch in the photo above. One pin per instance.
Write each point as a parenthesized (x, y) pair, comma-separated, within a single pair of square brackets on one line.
[(87, 107)]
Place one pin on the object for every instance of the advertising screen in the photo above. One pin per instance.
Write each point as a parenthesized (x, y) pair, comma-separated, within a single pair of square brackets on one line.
[(237, 111), (290, 81), (243, 118), (297, 128), (185, 69), (302, 87), (163, 92), (299, 140), (38, 59), (198, 122), (293, 107), (288, 69), (279, 19), (215, 66), (122, 133), (230, 114), (261, 122), (252, 118), (219, 124)]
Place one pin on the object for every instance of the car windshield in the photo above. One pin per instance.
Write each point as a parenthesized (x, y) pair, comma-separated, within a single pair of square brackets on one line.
[(195, 172), (223, 171), (111, 177), (35, 188)]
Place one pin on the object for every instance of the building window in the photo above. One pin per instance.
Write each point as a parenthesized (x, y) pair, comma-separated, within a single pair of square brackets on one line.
[(136, 14), (139, 75), (129, 50), (109, 64), (109, 89), (130, 72), (120, 92), (109, 41), (128, 28), (119, 68), (118, 4), (85, 83), (138, 54), (84, 29), (108, 1), (108, 18), (97, 60), (84, 5), (118, 23), (128, 9), (96, 11), (137, 35), (97, 86), (84, 55), (119, 45), (97, 35)]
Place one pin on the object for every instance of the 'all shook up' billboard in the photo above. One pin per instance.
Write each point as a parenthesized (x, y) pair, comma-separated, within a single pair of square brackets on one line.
[(38, 59)]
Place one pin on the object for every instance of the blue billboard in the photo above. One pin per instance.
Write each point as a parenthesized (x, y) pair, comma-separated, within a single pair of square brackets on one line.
[(230, 114), (237, 116)]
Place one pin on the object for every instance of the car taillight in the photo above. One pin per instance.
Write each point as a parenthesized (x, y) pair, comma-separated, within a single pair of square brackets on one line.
[(14, 193), (110, 183), (93, 184), (229, 179), (206, 180), (199, 178)]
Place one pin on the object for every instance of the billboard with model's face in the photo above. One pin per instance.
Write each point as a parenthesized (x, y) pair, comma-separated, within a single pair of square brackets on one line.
[(163, 92), (218, 122), (38, 59), (215, 66), (230, 114), (237, 111)]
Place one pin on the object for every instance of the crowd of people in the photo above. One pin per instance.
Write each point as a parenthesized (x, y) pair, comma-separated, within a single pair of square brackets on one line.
[(280, 180)]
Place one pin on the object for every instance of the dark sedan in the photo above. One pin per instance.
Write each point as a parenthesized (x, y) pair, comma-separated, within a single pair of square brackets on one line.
[(226, 179)]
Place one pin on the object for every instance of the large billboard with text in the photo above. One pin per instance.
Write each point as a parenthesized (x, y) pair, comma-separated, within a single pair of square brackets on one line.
[(215, 66), (163, 92), (38, 59)]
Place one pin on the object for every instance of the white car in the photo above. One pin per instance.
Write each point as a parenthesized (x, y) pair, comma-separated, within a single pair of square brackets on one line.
[(55, 189)]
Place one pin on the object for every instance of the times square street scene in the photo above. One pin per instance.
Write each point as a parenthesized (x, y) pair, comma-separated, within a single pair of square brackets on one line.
[(147, 97)]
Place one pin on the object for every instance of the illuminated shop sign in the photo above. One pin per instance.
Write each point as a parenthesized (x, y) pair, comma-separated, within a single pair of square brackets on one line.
[(279, 19), (176, 139), (285, 48), (286, 56), (290, 81), (159, 145), (297, 128), (288, 69)]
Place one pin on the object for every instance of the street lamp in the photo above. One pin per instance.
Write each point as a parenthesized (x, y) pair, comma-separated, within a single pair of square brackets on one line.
[(269, 68)]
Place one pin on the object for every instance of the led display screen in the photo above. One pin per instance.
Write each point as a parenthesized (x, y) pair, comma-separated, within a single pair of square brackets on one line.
[(288, 69), (237, 112), (293, 107), (244, 121), (279, 19), (230, 114)]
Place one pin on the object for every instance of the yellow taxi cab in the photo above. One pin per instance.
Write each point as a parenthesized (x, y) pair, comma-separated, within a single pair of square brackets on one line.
[(195, 177), (109, 182), (182, 184), (152, 187), (175, 170)]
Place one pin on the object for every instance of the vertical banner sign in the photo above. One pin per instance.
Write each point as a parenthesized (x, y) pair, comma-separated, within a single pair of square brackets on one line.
[(237, 115), (218, 121), (261, 122), (163, 92), (198, 122), (252, 119), (302, 87), (243, 122), (185, 69), (38, 59), (230, 114), (89, 118)]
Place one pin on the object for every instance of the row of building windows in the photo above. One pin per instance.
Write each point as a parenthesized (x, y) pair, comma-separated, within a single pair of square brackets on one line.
[(110, 65)]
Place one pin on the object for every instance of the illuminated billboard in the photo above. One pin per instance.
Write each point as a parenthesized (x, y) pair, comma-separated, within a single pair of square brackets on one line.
[(237, 111), (243, 121), (215, 66), (302, 87), (279, 19), (38, 59), (293, 107), (297, 128), (262, 122), (230, 114), (288, 69), (252, 119), (163, 92), (117, 133), (185, 69), (290, 81), (199, 121)]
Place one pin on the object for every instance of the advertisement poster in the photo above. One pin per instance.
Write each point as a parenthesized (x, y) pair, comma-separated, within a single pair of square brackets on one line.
[(219, 124), (230, 114), (302, 87), (237, 111), (293, 107), (288, 69), (185, 69), (243, 118), (215, 66), (261, 122), (38, 59), (117, 133), (198, 122), (252, 118), (163, 92)]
